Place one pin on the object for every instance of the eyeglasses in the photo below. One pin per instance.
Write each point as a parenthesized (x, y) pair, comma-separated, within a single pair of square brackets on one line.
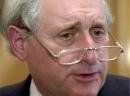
[(74, 56)]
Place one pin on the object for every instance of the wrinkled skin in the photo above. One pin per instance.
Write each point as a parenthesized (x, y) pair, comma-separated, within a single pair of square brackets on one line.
[(52, 78), (78, 17)]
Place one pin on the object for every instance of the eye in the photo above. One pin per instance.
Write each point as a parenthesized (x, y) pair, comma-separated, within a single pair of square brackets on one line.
[(98, 33), (66, 36)]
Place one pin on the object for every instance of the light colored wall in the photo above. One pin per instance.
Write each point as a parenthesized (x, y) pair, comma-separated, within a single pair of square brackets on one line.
[(121, 29), (12, 70)]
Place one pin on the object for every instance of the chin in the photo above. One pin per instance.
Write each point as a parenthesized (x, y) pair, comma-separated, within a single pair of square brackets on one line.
[(85, 91)]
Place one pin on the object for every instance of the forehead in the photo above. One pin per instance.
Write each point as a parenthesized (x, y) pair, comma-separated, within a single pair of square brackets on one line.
[(61, 11), (65, 6)]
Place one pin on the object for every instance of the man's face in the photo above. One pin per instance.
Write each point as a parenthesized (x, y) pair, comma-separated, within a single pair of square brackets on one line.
[(68, 24)]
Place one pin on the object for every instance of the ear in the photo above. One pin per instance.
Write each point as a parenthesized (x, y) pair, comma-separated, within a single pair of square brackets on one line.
[(16, 42)]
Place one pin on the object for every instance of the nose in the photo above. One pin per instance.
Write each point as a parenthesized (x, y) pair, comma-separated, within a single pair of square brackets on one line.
[(90, 57)]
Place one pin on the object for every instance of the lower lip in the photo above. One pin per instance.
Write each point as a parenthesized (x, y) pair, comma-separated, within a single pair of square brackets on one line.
[(86, 77)]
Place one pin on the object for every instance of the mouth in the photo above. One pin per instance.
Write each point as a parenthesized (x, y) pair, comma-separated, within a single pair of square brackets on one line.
[(88, 77)]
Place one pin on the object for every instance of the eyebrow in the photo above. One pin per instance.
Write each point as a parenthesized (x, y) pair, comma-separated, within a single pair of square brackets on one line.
[(68, 25), (100, 24), (63, 26)]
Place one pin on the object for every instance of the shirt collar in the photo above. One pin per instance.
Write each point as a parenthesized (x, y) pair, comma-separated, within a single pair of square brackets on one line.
[(33, 89)]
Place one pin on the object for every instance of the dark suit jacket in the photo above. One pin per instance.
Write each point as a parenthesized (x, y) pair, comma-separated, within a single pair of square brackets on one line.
[(114, 86)]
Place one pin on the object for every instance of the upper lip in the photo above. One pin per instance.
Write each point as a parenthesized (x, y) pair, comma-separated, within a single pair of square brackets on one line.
[(86, 69)]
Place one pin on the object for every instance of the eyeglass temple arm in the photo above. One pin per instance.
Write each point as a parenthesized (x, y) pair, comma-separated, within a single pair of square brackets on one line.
[(115, 40), (118, 44), (51, 53)]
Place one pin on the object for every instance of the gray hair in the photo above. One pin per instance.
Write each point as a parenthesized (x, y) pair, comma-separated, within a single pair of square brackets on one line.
[(108, 13), (24, 13)]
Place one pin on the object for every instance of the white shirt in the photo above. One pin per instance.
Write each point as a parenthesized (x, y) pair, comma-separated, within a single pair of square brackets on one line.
[(33, 89)]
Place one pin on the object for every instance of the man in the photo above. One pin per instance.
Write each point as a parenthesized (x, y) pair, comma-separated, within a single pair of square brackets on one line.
[(66, 44)]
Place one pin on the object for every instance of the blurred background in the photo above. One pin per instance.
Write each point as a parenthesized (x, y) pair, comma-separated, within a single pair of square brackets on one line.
[(12, 70)]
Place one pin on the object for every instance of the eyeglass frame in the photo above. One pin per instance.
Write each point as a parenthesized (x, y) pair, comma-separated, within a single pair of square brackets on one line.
[(55, 57)]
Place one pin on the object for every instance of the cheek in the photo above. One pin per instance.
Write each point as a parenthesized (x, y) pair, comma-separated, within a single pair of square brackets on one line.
[(105, 67), (104, 70), (39, 60), (45, 72)]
